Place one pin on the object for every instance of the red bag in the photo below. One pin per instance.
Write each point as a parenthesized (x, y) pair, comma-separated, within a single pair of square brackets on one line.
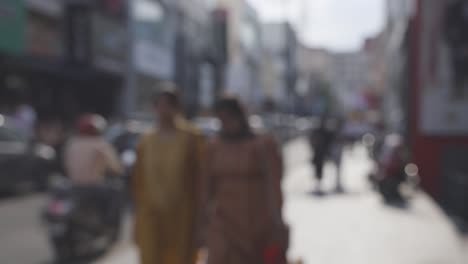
[(274, 254), (277, 244)]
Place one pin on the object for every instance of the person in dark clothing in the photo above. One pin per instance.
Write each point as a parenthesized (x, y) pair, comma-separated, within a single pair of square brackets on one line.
[(321, 141)]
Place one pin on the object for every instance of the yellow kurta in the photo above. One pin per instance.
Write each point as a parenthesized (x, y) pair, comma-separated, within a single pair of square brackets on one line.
[(164, 185)]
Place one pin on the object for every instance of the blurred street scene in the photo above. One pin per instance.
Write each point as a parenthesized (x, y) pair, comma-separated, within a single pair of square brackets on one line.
[(354, 224), (119, 116), (353, 227)]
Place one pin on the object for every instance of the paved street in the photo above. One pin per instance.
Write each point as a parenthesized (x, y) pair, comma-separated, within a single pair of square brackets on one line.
[(22, 238), (353, 227), (356, 227)]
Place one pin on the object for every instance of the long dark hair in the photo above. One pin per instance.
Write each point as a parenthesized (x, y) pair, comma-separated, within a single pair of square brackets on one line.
[(233, 106)]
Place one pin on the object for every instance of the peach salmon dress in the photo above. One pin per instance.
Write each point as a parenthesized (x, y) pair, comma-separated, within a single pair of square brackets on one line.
[(236, 178)]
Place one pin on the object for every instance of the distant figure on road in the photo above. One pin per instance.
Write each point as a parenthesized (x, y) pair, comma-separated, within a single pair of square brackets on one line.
[(321, 141), (242, 182), (336, 152), (164, 186)]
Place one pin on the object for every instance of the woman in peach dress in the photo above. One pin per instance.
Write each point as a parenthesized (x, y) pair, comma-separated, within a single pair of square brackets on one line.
[(242, 181)]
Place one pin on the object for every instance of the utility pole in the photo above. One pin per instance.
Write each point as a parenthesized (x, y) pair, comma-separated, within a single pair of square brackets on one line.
[(289, 53), (129, 93)]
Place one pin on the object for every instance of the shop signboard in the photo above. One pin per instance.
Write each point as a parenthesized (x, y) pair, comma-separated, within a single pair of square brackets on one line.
[(52, 8), (110, 44), (153, 60), (44, 37), (154, 31), (115, 9), (12, 26)]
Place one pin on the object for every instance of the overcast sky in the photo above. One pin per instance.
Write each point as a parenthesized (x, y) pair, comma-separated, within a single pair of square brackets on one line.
[(339, 25)]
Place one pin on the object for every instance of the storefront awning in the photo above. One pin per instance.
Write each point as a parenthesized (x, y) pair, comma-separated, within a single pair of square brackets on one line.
[(52, 67)]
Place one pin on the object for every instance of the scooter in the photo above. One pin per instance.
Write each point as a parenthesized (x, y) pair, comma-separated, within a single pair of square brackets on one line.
[(83, 222), (394, 176)]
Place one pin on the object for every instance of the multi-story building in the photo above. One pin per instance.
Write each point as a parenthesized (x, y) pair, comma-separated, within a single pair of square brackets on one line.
[(314, 74), (56, 52), (170, 42), (314, 61), (244, 51), (280, 64), (194, 71), (349, 78), (395, 54), (152, 33)]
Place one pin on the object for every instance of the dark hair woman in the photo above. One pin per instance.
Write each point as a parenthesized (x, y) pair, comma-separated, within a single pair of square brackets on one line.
[(243, 177)]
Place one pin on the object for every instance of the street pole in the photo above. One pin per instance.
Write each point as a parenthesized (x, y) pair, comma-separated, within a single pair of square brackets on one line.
[(129, 95), (288, 57)]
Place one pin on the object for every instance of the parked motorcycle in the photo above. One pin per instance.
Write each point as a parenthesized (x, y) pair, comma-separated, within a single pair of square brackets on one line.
[(394, 176), (83, 222)]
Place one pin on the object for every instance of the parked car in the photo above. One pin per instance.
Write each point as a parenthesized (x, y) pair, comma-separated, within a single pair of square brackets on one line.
[(25, 165)]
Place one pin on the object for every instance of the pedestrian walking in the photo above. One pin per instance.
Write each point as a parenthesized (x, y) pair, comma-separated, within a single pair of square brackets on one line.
[(321, 141), (336, 152), (164, 186), (242, 188)]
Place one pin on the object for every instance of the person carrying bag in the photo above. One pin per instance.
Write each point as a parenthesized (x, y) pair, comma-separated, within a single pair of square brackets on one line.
[(242, 187), (277, 242)]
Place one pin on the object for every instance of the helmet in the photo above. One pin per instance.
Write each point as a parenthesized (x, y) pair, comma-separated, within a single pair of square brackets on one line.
[(91, 125)]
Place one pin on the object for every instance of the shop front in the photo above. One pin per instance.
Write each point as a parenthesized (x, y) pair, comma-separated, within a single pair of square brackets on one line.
[(35, 66), (439, 101), (152, 59), (54, 89)]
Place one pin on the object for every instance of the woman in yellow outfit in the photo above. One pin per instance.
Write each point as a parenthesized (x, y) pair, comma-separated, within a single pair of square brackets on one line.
[(165, 183)]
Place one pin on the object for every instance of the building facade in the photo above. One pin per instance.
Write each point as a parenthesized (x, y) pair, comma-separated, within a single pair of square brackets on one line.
[(281, 64), (243, 64), (350, 78), (55, 58)]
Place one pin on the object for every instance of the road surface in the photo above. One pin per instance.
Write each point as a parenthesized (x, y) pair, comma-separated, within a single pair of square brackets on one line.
[(22, 237), (352, 228)]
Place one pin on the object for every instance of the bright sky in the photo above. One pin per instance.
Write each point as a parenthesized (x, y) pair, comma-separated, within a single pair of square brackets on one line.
[(339, 25)]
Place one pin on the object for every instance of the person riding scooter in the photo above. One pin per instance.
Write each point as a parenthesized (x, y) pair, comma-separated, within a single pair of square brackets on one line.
[(83, 214), (89, 159), (88, 156)]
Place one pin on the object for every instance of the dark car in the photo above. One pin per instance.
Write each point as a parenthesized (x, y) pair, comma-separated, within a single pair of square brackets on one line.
[(24, 164)]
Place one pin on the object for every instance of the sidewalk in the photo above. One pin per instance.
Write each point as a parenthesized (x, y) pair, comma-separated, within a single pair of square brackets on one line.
[(356, 227), (352, 228)]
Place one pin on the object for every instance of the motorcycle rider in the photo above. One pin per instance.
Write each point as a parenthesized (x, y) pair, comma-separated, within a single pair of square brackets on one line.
[(89, 158)]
